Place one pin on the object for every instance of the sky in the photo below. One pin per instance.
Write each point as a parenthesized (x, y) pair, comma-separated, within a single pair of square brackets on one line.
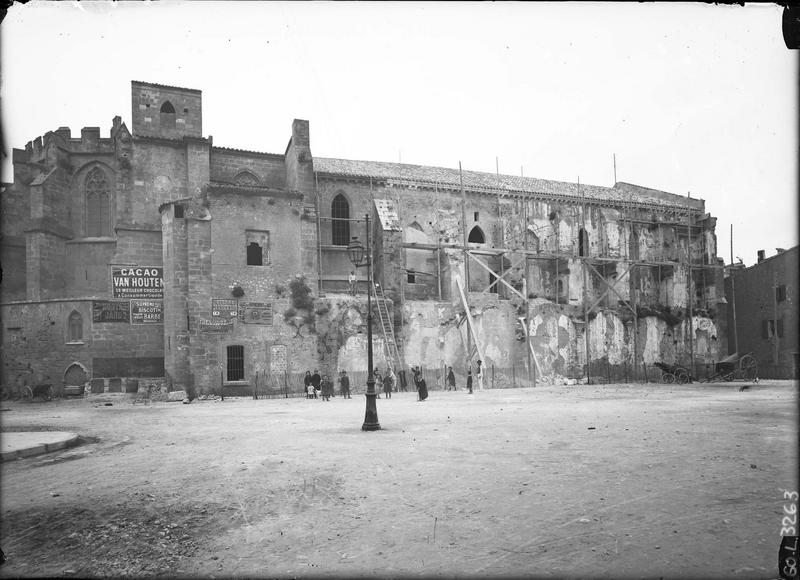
[(691, 98)]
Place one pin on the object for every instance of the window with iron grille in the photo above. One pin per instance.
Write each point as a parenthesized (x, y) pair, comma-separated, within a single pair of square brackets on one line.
[(340, 226), (235, 362)]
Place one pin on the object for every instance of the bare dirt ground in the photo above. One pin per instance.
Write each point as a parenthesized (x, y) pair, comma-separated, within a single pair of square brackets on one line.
[(610, 481)]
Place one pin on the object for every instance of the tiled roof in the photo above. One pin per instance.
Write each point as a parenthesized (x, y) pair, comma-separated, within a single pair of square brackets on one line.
[(246, 151), (489, 182), (387, 214), (145, 83)]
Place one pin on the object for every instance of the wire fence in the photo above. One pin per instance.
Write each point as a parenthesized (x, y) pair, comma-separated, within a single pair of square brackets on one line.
[(288, 385)]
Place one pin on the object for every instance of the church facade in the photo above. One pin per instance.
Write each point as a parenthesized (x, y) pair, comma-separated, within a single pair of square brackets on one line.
[(153, 254)]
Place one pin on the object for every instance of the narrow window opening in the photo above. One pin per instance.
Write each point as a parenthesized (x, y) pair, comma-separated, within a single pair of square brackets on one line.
[(235, 362), (411, 278), (780, 293), (476, 216)]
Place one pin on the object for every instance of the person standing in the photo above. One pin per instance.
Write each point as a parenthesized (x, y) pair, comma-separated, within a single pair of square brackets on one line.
[(419, 383), (451, 379), (378, 381), (315, 382), (306, 382), (352, 280), (479, 374), (393, 378), (327, 388), (345, 382), (469, 381), (387, 383)]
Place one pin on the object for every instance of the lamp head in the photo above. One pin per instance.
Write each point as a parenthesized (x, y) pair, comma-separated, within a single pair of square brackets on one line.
[(356, 252)]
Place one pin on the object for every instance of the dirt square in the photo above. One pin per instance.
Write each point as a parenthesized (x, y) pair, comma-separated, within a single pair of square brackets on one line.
[(598, 481)]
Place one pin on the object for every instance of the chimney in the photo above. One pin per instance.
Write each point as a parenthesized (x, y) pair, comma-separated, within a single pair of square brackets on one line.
[(760, 256), (780, 250)]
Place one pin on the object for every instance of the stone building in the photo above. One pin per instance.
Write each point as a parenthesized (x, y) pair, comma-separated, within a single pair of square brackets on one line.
[(154, 254), (762, 306)]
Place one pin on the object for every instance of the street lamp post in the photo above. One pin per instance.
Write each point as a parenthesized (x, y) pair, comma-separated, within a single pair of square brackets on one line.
[(359, 256)]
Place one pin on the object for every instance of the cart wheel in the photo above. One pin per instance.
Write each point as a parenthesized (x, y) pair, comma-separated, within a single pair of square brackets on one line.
[(748, 367), (682, 376), (668, 378), (27, 393)]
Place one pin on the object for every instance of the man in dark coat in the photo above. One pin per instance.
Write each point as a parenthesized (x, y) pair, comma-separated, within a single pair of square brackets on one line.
[(419, 382), (316, 380), (451, 379), (344, 380)]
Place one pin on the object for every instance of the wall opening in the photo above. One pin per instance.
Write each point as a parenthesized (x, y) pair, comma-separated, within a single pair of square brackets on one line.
[(254, 256), (583, 242), (476, 236), (256, 247)]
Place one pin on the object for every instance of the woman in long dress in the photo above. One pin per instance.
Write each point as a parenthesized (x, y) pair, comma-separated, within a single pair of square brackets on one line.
[(422, 387)]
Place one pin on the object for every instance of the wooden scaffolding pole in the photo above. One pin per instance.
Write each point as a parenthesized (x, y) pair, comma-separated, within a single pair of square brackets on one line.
[(466, 257), (526, 323), (583, 238)]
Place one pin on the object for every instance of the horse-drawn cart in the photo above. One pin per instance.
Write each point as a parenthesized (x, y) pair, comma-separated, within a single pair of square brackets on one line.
[(674, 374), (735, 368), (44, 391)]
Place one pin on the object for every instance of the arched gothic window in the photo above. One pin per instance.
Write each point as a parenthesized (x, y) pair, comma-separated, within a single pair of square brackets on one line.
[(340, 225), (75, 327), (476, 236), (98, 204), (167, 115)]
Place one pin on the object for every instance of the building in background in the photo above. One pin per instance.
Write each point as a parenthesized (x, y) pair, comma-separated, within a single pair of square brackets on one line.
[(154, 254), (763, 311)]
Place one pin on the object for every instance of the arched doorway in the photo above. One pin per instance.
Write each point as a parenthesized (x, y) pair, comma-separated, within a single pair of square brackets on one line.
[(75, 378)]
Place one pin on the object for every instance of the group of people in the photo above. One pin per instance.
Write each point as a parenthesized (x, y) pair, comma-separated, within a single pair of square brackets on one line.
[(450, 383), (317, 385)]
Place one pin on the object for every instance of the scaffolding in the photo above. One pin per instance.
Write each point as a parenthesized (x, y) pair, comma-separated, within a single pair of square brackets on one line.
[(596, 267)]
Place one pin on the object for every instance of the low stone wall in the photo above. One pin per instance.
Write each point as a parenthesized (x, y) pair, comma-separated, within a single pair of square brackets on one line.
[(133, 385)]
